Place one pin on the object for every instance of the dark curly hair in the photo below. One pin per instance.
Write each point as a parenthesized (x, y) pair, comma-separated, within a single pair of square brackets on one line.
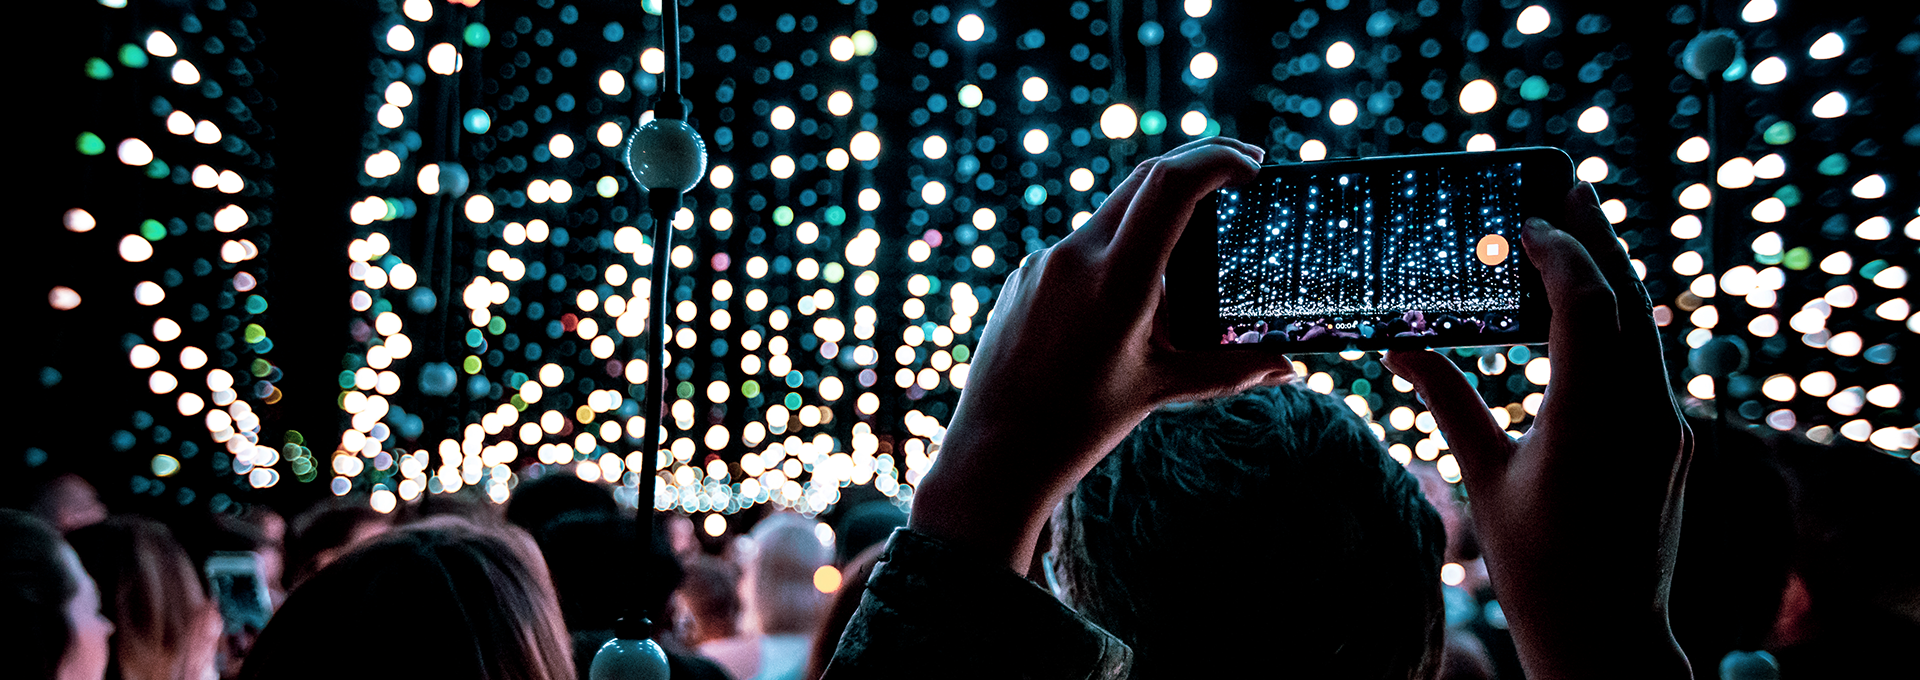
[(1277, 506)]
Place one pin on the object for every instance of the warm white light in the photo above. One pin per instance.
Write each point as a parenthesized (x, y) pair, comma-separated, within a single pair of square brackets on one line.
[(1696, 197), (1834, 105), (1874, 228), (970, 27), (1770, 166), (1593, 120), (841, 48), (1736, 174), (400, 38), (180, 123), (934, 193), (1828, 46), (1193, 123), (1198, 8), (1478, 96), (1034, 89), (479, 208), (63, 298), (970, 95), (721, 177), (1035, 141), (135, 249), (184, 73), (1342, 112), (160, 44), (865, 146), (1769, 71), (782, 117), (1340, 54), (838, 159), (1481, 142), (1081, 179), (1694, 150), (390, 116), (839, 103), (612, 82), (1313, 150), (418, 10), (1594, 169), (1119, 122), (984, 219), (1533, 20), (1204, 65), (135, 152), (444, 59), (561, 146), (781, 166), (935, 147), (1870, 187), (1758, 11), (1769, 210), (148, 293)]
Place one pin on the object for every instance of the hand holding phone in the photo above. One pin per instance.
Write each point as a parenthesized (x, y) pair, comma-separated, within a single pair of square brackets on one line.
[(1406, 251)]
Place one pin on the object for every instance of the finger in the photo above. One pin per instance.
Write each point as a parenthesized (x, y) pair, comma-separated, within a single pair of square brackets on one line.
[(1475, 438), (1165, 202), (1191, 376), (1588, 224), (1257, 153), (1106, 219), (1585, 329)]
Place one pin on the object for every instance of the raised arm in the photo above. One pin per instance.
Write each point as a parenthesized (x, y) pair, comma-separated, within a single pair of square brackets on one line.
[(1579, 518)]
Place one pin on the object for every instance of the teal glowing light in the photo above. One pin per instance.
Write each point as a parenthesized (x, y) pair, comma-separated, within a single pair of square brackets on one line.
[(477, 35), (1153, 122), (1534, 89), (782, 216), (99, 69), (132, 56), (153, 230), (477, 121), (1036, 195)]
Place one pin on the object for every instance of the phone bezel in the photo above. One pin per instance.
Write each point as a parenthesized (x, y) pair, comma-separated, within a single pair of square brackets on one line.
[(1192, 279)]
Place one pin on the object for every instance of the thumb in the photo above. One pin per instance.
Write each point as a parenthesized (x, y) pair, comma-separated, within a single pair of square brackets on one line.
[(1191, 376), (1477, 441)]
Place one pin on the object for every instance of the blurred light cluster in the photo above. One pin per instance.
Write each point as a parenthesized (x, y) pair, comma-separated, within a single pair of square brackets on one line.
[(162, 254), (876, 171)]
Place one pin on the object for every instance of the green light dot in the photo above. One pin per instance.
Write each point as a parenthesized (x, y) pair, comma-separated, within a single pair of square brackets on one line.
[(863, 43), (294, 437), (961, 353), (471, 365), (836, 215), (477, 35), (750, 389), (607, 187), (782, 216), (477, 121), (833, 272), (1153, 122), (497, 326), (1036, 195), (1798, 259), (1834, 165), (1362, 387), (792, 401), (1534, 89), (519, 404), (1779, 133), (158, 169), (132, 56), (153, 230), (99, 69), (684, 390), (255, 333), (256, 304), (89, 144), (346, 380), (260, 368)]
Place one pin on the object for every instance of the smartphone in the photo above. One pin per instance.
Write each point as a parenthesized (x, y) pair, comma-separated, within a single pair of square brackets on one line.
[(1369, 254), (239, 590)]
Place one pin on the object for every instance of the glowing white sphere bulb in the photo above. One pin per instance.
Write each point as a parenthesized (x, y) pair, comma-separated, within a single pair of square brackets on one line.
[(666, 154)]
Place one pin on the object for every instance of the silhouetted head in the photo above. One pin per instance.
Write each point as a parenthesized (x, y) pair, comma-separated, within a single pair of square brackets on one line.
[(1257, 532)]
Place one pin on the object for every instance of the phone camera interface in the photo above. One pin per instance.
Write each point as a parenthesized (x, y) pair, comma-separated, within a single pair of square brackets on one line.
[(1340, 256)]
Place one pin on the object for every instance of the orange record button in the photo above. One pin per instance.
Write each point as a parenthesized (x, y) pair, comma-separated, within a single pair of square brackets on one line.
[(1492, 250)]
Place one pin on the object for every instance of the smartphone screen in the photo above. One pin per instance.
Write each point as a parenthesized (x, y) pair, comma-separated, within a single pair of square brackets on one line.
[(239, 590), (1370, 254)]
